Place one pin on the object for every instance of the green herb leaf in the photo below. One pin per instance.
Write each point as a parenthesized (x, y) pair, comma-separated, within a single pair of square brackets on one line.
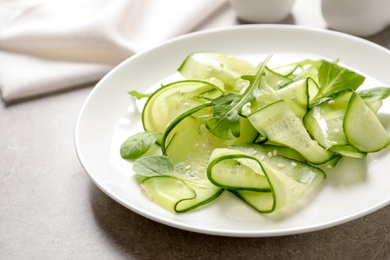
[(154, 165), (225, 116), (228, 107), (137, 145), (138, 95), (334, 78)]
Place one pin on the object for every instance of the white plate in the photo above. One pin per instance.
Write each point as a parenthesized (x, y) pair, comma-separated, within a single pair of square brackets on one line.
[(109, 115)]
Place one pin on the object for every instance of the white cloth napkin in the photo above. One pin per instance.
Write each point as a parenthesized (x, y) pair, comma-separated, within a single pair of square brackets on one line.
[(51, 45)]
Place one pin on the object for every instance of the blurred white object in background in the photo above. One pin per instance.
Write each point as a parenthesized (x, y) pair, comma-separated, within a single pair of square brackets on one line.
[(262, 11), (358, 17)]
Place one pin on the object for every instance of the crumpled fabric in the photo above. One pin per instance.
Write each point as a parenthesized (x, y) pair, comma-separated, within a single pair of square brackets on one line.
[(52, 45)]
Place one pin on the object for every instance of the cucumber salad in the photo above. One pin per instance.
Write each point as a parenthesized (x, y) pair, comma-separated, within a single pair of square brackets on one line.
[(267, 135)]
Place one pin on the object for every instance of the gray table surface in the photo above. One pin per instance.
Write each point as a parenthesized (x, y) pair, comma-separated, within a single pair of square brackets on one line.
[(50, 209)]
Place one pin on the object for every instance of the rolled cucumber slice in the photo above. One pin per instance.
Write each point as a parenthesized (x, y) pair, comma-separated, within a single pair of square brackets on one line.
[(235, 170), (178, 195), (262, 202), (167, 191), (279, 124), (362, 127), (188, 147), (325, 123), (225, 67), (276, 80), (187, 137), (173, 99), (283, 151), (273, 181), (296, 95)]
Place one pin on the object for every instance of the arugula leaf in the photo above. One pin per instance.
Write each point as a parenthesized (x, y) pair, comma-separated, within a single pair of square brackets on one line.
[(225, 116), (154, 165), (227, 108), (333, 78), (137, 145), (138, 95)]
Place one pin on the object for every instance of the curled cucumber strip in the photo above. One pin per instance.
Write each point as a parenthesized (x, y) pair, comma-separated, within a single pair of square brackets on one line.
[(270, 181)]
